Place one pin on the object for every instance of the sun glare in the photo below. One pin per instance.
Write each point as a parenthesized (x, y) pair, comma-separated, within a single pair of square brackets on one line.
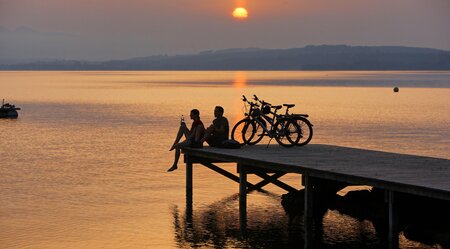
[(240, 13)]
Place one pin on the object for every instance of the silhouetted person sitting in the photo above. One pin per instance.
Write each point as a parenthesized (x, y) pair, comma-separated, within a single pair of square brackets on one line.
[(193, 137), (217, 133)]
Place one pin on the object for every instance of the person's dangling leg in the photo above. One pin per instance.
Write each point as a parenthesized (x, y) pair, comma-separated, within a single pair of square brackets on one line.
[(178, 148)]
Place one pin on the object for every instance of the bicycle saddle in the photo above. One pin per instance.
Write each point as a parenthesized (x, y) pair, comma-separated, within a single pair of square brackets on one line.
[(277, 107), (289, 105)]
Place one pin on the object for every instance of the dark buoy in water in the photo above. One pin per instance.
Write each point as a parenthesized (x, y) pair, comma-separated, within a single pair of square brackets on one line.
[(396, 89)]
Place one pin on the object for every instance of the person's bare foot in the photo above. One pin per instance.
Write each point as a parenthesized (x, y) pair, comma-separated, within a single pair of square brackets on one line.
[(174, 167)]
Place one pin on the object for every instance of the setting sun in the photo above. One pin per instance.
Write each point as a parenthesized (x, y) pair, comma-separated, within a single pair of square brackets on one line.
[(240, 13)]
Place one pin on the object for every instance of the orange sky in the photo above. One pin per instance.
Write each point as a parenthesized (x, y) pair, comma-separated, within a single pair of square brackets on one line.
[(107, 29)]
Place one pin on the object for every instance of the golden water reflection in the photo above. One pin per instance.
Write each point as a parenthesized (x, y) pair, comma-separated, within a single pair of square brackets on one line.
[(85, 163)]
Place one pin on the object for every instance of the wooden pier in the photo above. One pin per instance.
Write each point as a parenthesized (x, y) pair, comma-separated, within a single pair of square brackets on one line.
[(321, 164)]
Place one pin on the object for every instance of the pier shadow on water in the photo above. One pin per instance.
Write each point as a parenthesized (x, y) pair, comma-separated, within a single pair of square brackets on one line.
[(218, 225), (356, 220)]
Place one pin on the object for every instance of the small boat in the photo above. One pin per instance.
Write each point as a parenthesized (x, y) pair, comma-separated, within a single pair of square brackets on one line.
[(8, 111)]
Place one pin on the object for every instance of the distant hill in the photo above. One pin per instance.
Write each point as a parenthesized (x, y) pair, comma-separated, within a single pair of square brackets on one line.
[(323, 57)]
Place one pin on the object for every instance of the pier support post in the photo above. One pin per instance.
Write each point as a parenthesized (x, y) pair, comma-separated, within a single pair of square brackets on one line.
[(189, 181), (242, 198), (189, 188), (308, 211), (393, 220)]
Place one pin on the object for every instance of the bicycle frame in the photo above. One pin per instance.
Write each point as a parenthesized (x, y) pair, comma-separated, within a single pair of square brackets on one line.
[(276, 117)]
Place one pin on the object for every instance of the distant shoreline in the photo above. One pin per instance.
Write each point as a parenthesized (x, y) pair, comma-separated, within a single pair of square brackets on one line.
[(309, 58)]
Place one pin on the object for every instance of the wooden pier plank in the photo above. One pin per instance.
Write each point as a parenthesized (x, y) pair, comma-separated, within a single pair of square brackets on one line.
[(398, 172)]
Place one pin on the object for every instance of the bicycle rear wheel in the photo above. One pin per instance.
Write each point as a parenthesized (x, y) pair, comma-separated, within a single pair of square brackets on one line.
[(306, 130)]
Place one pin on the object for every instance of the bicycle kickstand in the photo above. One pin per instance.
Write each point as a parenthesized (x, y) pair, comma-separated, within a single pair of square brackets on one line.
[(270, 140)]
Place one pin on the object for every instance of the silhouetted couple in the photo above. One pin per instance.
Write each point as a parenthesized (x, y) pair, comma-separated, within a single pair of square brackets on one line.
[(215, 135)]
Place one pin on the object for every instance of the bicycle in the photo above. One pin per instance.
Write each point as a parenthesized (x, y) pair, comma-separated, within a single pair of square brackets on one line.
[(246, 134), (281, 128), (305, 126)]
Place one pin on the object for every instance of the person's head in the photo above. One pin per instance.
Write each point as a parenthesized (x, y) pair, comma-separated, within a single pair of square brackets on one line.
[(195, 114), (218, 111)]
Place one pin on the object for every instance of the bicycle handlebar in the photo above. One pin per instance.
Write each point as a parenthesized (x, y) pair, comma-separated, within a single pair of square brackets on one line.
[(249, 102), (261, 101)]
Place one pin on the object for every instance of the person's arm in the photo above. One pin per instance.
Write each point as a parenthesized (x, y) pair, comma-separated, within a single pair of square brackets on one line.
[(198, 134), (192, 133)]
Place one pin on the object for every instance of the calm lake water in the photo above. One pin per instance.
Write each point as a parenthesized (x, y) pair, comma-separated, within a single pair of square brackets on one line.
[(84, 165)]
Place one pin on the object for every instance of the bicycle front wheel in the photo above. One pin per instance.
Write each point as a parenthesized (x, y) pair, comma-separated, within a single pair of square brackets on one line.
[(243, 131), (287, 132), (259, 132)]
